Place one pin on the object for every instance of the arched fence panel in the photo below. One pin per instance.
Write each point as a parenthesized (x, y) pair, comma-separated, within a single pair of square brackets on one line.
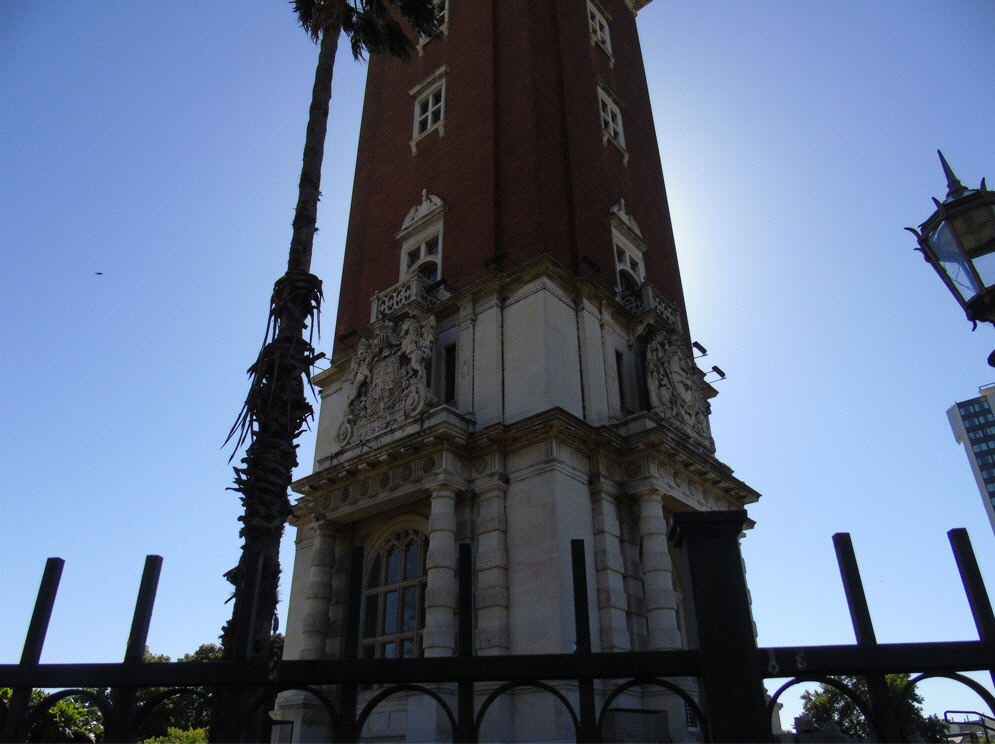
[(730, 670)]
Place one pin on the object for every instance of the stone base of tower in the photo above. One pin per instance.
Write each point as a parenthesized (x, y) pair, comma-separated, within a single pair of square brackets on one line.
[(515, 415)]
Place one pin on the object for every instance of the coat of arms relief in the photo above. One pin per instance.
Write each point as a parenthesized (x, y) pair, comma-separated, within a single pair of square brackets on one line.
[(387, 380), (676, 386)]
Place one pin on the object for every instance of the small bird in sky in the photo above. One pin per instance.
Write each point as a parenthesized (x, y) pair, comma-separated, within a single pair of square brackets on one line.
[(98, 273)]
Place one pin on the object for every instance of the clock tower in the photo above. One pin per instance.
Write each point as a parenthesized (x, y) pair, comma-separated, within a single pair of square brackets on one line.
[(511, 366)]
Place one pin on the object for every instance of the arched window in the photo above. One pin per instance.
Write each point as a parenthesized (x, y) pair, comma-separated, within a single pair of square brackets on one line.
[(421, 239), (628, 245), (394, 597)]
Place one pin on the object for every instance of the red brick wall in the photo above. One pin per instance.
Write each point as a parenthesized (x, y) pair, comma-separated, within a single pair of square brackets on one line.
[(521, 165)]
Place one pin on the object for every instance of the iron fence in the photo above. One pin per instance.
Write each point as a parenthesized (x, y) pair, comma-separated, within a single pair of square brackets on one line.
[(731, 705)]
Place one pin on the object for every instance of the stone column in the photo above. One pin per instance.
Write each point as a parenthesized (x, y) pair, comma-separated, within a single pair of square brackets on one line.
[(609, 568), (339, 599), (440, 592), (661, 600), (315, 623), (492, 569), (464, 355)]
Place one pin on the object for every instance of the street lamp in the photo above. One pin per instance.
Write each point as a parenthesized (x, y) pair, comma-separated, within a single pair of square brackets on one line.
[(958, 240)]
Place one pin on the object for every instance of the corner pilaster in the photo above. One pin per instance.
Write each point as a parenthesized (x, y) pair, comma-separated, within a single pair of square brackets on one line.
[(315, 625), (661, 600), (492, 568), (609, 567), (440, 591)]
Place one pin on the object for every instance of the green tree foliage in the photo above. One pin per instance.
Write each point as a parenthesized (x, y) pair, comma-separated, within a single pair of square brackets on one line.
[(183, 712), (180, 736), (830, 704), (183, 718), (70, 719)]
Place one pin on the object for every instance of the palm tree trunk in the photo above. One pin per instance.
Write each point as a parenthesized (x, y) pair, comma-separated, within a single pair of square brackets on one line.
[(276, 408), (306, 214)]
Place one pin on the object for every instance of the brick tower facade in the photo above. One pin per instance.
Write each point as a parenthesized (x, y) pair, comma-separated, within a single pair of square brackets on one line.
[(511, 365)]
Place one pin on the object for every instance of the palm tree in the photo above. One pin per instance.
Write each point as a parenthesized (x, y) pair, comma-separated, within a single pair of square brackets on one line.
[(276, 409)]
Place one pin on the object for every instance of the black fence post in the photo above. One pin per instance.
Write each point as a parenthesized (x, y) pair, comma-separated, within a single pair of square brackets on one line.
[(349, 691), (466, 731), (120, 727), (885, 724), (721, 625), (588, 716), (974, 587), (20, 700)]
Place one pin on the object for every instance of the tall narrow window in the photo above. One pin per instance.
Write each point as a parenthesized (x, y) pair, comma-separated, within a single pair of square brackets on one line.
[(449, 379), (421, 239), (428, 110), (597, 23), (423, 256), (442, 8), (620, 373), (611, 119), (430, 107), (627, 249), (628, 263), (394, 598)]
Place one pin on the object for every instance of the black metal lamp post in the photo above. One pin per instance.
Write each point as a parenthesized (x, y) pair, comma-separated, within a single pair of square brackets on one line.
[(958, 240)]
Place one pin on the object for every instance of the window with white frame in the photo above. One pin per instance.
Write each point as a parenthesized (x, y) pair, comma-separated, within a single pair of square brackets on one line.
[(442, 8), (423, 254), (394, 597), (611, 119), (597, 22), (430, 107), (421, 239), (628, 262)]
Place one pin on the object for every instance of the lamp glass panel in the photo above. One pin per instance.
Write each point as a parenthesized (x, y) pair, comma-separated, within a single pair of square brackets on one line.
[(984, 264), (952, 262), (976, 229)]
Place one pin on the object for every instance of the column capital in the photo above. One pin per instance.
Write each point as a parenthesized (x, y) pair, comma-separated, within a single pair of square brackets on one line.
[(706, 524), (443, 491)]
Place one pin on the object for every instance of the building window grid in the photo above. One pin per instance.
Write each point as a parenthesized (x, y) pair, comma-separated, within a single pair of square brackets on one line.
[(394, 598), (629, 266), (430, 107), (985, 418), (597, 23), (978, 404), (423, 255), (611, 119), (442, 8)]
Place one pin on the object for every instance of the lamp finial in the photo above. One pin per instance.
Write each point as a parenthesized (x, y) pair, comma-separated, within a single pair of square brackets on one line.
[(955, 189)]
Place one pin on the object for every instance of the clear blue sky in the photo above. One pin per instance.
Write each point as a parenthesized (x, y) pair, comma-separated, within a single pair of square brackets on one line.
[(159, 143)]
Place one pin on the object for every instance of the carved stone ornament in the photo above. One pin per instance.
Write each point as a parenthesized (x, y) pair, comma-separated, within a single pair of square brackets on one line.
[(387, 381), (676, 386), (619, 212)]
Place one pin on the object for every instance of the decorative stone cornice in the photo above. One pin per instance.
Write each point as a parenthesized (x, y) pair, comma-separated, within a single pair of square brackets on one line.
[(428, 210), (626, 223)]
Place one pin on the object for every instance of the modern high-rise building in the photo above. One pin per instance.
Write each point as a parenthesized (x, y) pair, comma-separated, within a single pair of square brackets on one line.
[(511, 368), (973, 423)]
